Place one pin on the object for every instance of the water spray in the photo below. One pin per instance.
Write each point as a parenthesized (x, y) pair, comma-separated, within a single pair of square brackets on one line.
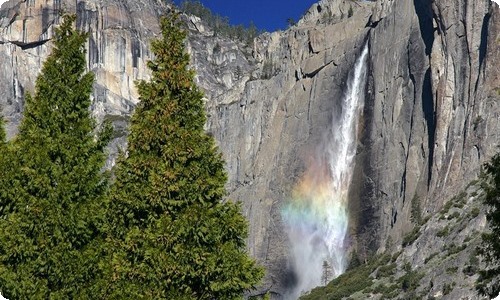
[(316, 216)]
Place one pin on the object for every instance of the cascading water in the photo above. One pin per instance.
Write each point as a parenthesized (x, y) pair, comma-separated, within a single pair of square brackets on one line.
[(316, 217)]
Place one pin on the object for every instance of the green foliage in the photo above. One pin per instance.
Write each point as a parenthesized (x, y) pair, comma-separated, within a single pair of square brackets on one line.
[(170, 235), (447, 207), (219, 24), (447, 288), (430, 257), (360, 280), (386, 270), (416, 211), (457, 201), (267, 70), (443, 232), (473, 267), (354, 261), (352, 281), (454, 249), (478, 120), (54, 186), (2, 131), (326, 273), (388, 291), (327, 17), (410, 281), (411, 236), (266, 296), (343, 286), (5, 171), (454, 215), (489, 280)]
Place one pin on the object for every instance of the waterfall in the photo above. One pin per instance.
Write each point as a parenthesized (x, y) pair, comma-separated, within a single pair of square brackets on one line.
[(316, 216)]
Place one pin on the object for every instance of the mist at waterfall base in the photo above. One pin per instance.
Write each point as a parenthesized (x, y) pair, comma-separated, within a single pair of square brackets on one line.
[(316, 216)]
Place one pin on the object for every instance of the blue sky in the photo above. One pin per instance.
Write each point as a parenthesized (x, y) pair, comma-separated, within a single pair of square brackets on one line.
[(269, 15)]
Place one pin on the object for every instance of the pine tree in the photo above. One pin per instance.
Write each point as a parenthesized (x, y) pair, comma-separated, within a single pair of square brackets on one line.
[(5, 170), (47, 236), (326, 274), (171, 235), (489, 280), (5, 160)]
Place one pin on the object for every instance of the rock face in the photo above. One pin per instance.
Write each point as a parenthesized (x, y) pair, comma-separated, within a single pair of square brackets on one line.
[(434, 113), (430, 118)]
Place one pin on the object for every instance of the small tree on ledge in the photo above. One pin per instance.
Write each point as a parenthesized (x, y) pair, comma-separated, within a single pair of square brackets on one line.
[(326, 272)]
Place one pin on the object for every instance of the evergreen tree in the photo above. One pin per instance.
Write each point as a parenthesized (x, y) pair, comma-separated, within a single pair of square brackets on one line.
[(5, 160), (326, 274), (2, 132), (171, 235), (57, 184), (489, 280), (5, 170)]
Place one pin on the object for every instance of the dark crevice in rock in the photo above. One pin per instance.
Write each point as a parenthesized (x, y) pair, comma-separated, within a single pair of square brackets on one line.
[(483, 47), (25, 46), (83, 18), (136, 51), (394, 216), (47, 13), (93, 52), (423, 8), (311, 49), (425, 15), (430, 120), (12, 19), (313, 73), (402, 192), (371, 23), (45, 16)]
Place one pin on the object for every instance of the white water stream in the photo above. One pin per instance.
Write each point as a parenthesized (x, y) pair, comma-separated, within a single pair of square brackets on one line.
[(316, 216)]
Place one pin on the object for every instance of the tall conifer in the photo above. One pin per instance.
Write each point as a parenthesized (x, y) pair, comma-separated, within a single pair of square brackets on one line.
[(5, 170), (488, 283), (171, 234), (46, 237)]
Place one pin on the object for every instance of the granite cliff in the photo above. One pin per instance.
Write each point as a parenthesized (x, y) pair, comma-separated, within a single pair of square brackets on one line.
[(430, 116)]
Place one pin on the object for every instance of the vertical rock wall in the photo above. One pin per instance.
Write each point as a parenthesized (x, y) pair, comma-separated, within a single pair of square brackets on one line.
[(433, 109)]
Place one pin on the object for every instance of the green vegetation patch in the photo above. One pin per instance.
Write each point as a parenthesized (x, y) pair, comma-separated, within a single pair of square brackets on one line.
[(220, 24), (416, 211), (454, 249), (409, 238), (410, 281), (443, 232), (354, 280)]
